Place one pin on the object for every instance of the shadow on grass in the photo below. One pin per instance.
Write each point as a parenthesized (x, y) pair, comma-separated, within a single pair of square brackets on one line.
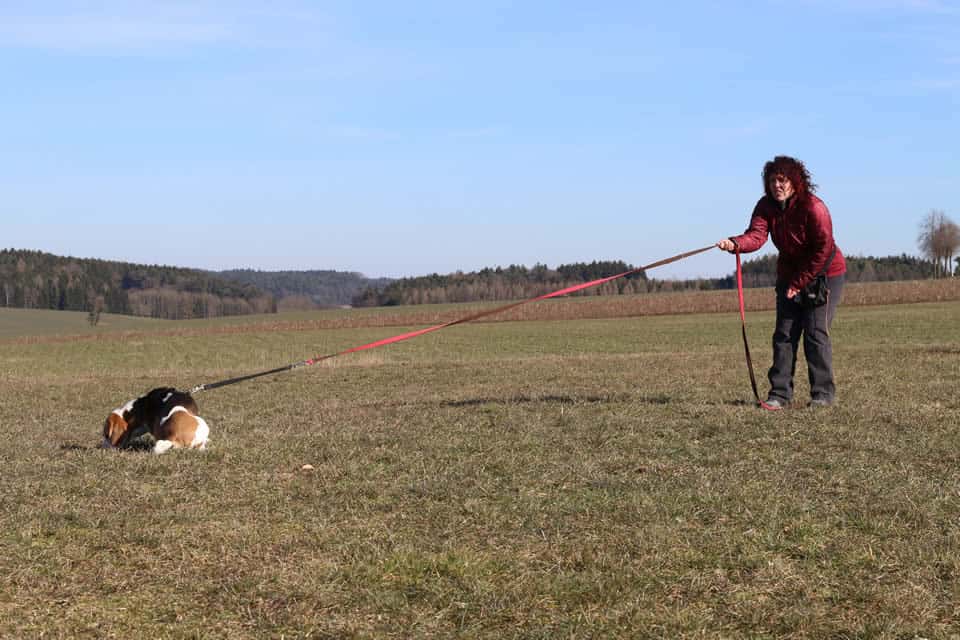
[(661, 399), (558, 399), (136, 446)]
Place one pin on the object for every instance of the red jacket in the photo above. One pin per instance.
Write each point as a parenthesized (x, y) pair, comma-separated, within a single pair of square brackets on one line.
[(803, 233)]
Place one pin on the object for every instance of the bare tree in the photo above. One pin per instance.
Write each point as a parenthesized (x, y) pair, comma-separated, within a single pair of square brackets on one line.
[(926, 239), (939, 240), (95, 310), (951, 243)]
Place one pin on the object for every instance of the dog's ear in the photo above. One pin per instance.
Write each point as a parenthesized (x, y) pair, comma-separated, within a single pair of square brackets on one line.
[(114, 429)]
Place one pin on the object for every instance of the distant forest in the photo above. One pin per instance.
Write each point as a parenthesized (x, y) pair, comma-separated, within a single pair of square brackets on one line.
[(307, 289), (37, 280), (517, 282), (509, 283), (762, 272)]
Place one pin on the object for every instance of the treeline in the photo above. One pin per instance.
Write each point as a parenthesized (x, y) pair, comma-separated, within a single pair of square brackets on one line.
[(519, 282), (513, 282), (38, 280), (762, 272), (307, 289)]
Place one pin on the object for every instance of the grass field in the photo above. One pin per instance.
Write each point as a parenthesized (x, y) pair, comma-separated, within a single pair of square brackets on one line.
[(539, 479)]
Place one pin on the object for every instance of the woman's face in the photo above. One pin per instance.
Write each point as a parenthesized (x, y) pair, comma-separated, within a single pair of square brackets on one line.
[(780, 186)]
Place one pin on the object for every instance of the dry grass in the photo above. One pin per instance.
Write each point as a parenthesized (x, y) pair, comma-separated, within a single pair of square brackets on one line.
[(543, 479)]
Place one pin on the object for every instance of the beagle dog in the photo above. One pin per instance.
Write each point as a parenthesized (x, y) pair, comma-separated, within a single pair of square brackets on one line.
[(170, 416)]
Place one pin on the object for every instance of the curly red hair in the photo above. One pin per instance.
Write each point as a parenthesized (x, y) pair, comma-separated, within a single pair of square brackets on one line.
[(794, 171)]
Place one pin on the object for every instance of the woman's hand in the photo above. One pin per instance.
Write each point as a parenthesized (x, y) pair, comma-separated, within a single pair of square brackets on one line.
[(727, 245), (792, 293)]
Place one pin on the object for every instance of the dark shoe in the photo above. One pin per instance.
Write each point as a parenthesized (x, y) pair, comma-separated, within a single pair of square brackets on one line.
[(819, 403)]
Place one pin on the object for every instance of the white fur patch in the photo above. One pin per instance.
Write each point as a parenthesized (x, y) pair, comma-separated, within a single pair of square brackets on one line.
[(202, 435), (162, 446), (173, 411), (125, 408)]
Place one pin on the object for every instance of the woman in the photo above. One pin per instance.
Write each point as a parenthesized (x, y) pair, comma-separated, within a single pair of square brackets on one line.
[(799, 223)]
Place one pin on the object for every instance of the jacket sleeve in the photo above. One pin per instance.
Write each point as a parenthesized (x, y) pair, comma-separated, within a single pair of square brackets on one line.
[(820, 243), (756, 234)]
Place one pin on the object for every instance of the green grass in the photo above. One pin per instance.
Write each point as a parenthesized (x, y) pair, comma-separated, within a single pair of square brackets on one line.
[(594, 478), (18, 323)]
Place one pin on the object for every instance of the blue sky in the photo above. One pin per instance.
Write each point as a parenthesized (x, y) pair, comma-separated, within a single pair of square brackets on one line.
[(405, 138)]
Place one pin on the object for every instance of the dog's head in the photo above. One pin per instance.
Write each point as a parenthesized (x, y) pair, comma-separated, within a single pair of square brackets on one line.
[(118, 425)]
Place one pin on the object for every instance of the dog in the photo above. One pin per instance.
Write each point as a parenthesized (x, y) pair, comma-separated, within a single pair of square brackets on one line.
[(170, 416)]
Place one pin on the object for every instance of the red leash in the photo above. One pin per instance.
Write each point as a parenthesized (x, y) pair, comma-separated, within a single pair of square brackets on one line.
[(469, 318), (746, 347)]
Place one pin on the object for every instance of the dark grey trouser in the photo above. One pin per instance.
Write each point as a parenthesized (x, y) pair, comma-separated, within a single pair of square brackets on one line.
[(814, 324)]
